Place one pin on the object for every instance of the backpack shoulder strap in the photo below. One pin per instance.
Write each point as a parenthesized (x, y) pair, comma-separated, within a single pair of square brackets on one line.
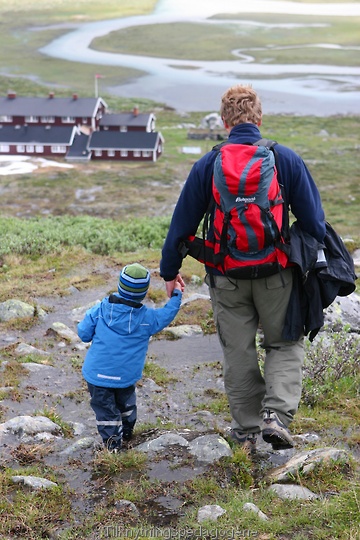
[(269, 143), (217, 147)]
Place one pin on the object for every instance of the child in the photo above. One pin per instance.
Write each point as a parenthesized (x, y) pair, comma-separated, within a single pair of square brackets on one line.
[(120, 327)]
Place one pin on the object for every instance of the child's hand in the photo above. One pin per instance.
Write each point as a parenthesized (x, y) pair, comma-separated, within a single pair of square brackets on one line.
[(179, 283)]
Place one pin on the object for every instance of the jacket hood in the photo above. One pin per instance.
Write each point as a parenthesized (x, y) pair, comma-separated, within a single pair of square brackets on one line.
[(122, 317)]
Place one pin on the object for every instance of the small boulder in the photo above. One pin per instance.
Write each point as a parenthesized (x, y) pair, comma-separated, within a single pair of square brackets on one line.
[(34, 482), (210, 512), (293, 491)]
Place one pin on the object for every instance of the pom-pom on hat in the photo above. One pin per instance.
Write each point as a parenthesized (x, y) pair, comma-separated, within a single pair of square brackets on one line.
[(134, 282)]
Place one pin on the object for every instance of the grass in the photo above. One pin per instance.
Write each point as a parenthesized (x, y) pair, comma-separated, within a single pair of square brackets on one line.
[(105, 463), (47, 506), (194, 41), (24, 31), (159, 374), (52, 240), (328, 146), (55, 417), (12, 373)]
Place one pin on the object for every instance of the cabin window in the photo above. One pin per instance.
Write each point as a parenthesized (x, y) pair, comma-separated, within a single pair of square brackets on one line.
[(137, 153), (31, 119), (39, 148), (30, 148), (68, 120), (123, 129), (48, 119), (6, 118), (20, 148), (111, 153), (98, 153), (124, 153), (146, 153), (4, 148), (58, 149)]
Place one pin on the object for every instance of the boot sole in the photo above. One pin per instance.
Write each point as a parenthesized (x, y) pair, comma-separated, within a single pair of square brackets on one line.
[(274, 438)]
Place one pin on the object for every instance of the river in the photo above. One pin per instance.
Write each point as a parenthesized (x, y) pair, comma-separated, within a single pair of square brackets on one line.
[(197, 86)]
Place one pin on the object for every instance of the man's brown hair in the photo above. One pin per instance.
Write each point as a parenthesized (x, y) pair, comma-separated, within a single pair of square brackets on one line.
[(240, 104)]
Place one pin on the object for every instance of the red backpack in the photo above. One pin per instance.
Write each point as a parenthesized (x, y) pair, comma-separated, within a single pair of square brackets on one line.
[(249, 214)]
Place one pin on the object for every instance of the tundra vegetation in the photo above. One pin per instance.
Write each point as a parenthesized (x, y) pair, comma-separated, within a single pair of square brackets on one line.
[(48, 222)]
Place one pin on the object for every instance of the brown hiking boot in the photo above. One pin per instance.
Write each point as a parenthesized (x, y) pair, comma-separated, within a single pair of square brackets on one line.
[(275, 432)]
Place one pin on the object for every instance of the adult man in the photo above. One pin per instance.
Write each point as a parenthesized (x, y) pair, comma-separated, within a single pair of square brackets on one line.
[(258, 402)]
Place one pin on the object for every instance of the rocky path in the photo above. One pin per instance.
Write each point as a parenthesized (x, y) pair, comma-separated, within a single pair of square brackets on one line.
[(178, 427)]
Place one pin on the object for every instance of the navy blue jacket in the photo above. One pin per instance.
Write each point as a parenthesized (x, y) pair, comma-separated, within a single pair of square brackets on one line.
[(299, 187)]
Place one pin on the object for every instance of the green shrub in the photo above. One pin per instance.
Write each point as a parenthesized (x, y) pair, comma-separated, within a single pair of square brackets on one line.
[(38, 236)]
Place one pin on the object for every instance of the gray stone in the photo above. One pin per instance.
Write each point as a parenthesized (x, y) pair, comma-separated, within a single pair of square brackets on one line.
[(65, 332), (184, 330), (81, 444), (210, 512), (34, 367), (128, 506), (356, 257), (211, 121), (77, 427), (250, 507), (24, 349), (77, 314), (161, 443), (194, 297), (306, 438), (323, 133), (82, 346), (306, 461), (30, 425), (196, 280), (34, 482), (293, 491), (345, 310), (210, 448), (16, 309), (44, 436), (201, 420)]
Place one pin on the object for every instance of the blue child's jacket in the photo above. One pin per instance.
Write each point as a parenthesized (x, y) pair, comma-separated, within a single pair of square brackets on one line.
[(120, 337)]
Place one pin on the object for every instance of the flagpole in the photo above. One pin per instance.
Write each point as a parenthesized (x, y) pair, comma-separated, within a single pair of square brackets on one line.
[(96, 86)]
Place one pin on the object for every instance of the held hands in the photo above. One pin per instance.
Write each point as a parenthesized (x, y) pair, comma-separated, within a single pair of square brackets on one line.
[(177, 283)]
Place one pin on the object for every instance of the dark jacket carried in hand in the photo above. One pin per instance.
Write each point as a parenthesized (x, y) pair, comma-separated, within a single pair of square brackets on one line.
[(316, 285)]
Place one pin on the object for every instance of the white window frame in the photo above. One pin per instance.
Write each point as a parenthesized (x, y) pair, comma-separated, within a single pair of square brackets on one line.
[(123, 129), (124, 153), (98, 153), (137, 153), (48, 119), (32, 119), (6, 118), (4, 148), (30, 148), (68, 120), (58, 149), (20, 148), (39, 148), (146, 153), (111, 153)]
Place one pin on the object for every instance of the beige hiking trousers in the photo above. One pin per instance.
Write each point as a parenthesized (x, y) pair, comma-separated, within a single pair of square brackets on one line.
[(240, 308)]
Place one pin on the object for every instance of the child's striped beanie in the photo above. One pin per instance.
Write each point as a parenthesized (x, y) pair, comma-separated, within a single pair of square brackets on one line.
[(134, 282)]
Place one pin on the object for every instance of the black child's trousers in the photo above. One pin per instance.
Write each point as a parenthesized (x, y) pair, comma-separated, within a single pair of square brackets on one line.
[(115, 411)]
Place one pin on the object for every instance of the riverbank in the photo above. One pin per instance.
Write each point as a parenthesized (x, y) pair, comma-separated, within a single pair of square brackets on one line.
[(190, 85)]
